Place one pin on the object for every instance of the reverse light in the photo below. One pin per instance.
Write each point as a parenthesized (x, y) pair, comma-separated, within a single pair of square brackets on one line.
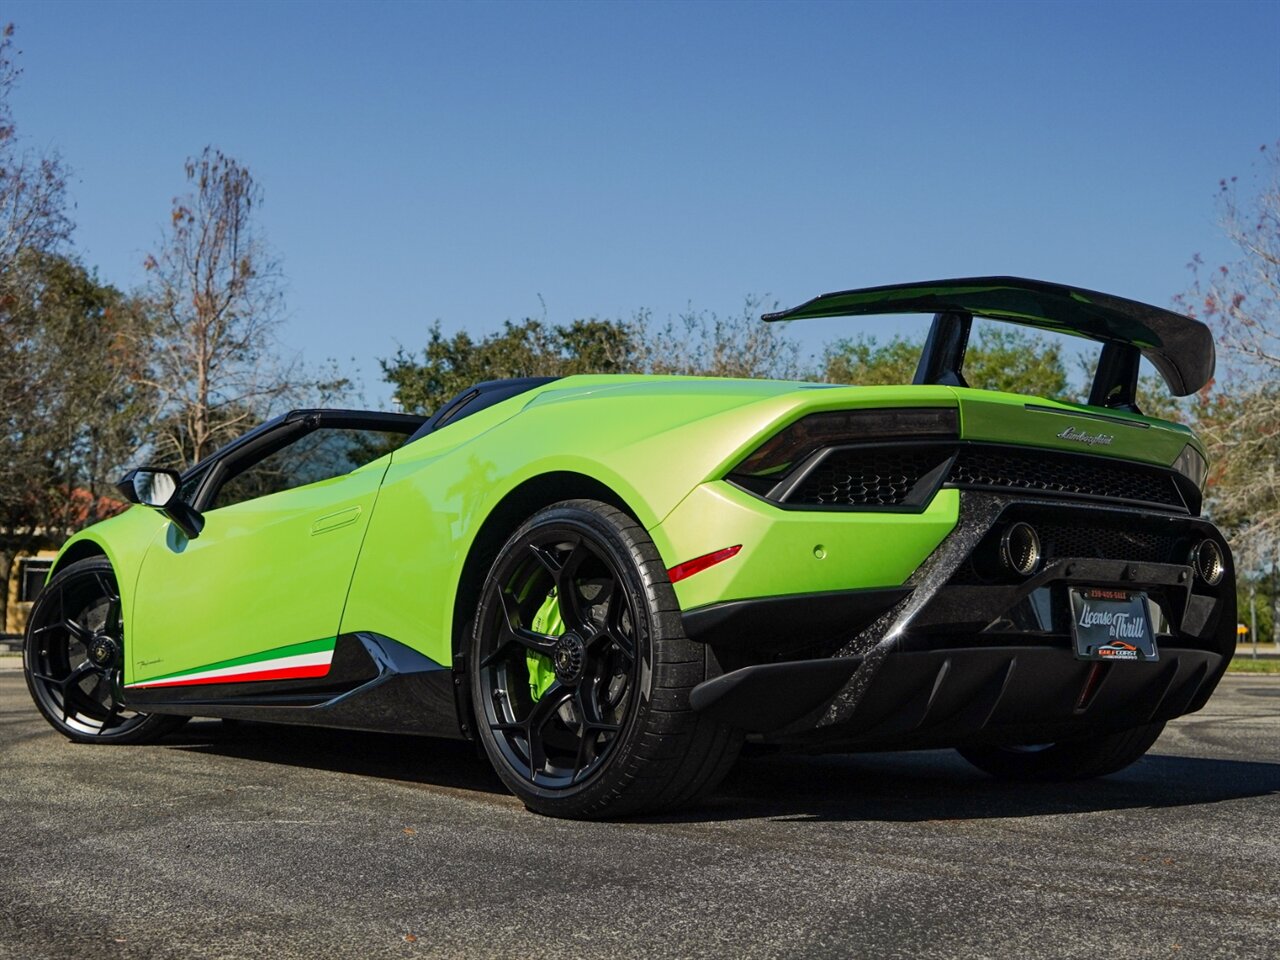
[(774, 458), (687, 569)]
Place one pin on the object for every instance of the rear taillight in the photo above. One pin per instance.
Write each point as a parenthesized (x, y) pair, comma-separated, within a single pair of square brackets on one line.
[(1192, 466), (776, 457)]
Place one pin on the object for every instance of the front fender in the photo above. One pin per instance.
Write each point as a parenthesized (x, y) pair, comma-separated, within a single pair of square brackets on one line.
[(123, 540)]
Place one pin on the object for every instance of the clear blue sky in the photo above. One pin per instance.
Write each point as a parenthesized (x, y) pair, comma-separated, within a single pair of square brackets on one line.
[(457, 161)]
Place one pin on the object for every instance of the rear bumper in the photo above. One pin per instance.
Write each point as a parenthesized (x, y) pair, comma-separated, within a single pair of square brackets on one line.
[(946, 698), (954, 657)]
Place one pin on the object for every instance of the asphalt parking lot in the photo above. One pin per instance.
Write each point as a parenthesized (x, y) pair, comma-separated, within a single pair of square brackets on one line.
[(253, 841)]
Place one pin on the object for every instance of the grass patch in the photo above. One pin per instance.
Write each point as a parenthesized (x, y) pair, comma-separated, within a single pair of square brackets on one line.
[(1246, 664)]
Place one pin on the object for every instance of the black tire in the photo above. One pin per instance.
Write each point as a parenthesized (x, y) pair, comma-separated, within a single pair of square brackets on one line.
[(1070, 760), (613, 734), (73, 658)]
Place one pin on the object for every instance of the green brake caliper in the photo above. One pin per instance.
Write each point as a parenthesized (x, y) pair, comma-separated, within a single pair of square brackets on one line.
[(541, 671)]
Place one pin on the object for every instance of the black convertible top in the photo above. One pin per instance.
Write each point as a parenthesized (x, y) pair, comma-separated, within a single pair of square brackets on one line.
[(1179, 347)]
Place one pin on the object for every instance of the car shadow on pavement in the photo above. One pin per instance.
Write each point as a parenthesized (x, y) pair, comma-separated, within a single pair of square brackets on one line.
[(408, 759), (937, 785), (933, 785)]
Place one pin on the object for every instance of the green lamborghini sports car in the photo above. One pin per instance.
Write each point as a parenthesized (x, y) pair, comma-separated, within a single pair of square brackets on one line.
[(611, 582)]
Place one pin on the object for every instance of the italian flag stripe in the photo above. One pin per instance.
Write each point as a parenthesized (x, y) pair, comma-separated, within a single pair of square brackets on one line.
[(300, 660)]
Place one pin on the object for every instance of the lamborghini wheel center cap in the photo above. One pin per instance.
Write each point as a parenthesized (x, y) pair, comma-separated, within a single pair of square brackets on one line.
[(569, 657), (102, 651)]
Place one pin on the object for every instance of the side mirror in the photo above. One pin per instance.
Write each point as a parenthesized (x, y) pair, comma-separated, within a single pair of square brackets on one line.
[(150, 486), (157, 487)]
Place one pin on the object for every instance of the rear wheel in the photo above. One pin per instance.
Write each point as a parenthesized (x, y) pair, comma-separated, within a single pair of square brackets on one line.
[(1069, 760), (73, 659), (580, 671)]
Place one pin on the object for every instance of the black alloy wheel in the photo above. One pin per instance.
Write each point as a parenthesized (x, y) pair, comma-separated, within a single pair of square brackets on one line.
[(73, 658), (580, 669), (562, 736)]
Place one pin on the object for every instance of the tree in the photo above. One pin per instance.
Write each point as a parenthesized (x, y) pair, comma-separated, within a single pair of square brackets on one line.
[(1241, 301), (36, 484), (997, 359), (92, 405), (1241, 427), (865, 360), (696, 343), (65, 438), (703, 343), (215, 303), (33, 204), (531, 348), (33, 223), (1009, 359)]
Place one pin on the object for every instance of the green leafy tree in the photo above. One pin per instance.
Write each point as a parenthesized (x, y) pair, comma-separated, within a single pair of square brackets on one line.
[(997, 359), (1012, 360), (695, 343), (865, 360), (65, 437), (532, 348), (33, 225), (61, 364)]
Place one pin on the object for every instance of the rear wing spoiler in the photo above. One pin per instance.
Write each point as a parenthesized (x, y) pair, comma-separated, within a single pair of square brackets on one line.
[(1179, 347)]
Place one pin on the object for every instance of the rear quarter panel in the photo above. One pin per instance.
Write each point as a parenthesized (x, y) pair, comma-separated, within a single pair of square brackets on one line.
[(654, 442)]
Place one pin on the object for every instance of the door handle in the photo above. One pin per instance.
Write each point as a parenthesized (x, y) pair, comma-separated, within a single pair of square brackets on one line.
[(335, 521)]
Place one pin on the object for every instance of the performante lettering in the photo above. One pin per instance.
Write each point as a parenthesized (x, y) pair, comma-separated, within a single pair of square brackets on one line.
[(1080, 436)]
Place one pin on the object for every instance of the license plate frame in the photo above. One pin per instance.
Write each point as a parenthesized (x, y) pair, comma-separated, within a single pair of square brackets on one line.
[(1111, 625)]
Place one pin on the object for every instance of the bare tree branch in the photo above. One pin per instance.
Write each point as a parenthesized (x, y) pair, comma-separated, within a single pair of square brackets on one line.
[(215, 292), (1241, 300)]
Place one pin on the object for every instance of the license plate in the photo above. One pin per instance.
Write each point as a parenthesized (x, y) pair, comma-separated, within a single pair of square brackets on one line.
[(1110, 624)]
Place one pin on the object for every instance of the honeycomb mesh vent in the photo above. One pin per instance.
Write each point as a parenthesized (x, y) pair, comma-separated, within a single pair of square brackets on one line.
[(885, 476), (1055, 473), (855, 478), (1108, 543)]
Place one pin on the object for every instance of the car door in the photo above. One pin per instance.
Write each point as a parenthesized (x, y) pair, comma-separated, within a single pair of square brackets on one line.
[(258, 595)]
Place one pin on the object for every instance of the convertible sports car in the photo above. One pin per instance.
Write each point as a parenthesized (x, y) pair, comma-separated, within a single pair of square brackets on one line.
[(611, 581)]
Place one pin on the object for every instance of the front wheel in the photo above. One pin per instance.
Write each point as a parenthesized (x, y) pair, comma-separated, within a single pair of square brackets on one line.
[(1069, 760), (580, 671), (73, 658)]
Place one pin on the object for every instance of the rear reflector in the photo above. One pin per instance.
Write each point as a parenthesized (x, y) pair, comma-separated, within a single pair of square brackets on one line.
[(687, 569)]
